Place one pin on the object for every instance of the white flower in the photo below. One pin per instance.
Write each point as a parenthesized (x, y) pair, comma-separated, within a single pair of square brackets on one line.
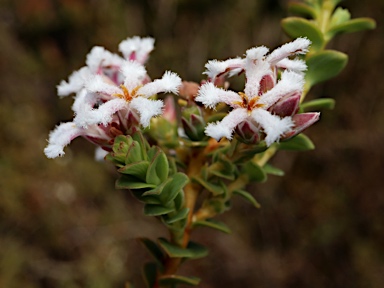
[(64, 133), (137, 48), (277, 59), (261, 92), (100, 61), (132, 94), (111, 96)]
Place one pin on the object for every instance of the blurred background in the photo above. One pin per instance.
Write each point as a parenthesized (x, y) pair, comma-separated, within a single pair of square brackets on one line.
[(63, 224)]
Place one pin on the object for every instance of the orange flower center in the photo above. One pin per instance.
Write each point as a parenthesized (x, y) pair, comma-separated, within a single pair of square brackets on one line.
[(248, 103), (127, 96)]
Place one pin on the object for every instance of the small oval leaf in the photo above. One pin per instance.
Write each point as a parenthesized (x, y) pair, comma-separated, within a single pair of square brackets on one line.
[(157, 210), (193, 250), (153, 249), (297, 27), (173, 280), (180, 215), (302, 9), (173, 187), (214, 224), (324, 65), (318, 104), (254, 172), (138, 169), (131, 182), (353, 25), (247, 196), (297, 143)]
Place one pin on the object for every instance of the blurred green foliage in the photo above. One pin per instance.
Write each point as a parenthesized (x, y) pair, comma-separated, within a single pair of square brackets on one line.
[(62, 222)]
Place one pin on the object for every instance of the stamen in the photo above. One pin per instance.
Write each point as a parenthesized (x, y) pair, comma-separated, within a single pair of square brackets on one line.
[(247, 103)]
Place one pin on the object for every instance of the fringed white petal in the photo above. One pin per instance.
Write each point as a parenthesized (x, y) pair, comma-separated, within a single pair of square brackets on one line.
[(98, 84), (227, 125), (256, 53), (273, 125), (60, 137), (169, 83), (255, 70), (75, 82), (296, 65), (146, 109), (82, 98), (210, 96), (134, 74), (231, 66), (102, 115), (298, 46), (98, 57), (137, 48), (289, 83)]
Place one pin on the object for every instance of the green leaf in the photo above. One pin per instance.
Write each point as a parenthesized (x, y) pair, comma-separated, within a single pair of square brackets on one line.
[(173, 280), (131, 182), (269, 169), (193, 250), (302, 9), (219, 205), (145, 199), (120, 148), (211, 187), (318, 104), (249, 152), (297, 27), (173, 187), (350, 26), (158, 168), (247, 196), (150, 273), (157, 210), (324, 65), (138, 169), (153, 249), (214, 224), (138, 136), (254, 172), (180, 215), (223, 168), (297, 143), (158, 189), (339, 16), (134, 153)]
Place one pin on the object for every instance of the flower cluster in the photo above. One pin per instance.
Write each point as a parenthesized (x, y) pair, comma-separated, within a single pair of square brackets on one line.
[(269, 104), (111, 96), (114, 96)]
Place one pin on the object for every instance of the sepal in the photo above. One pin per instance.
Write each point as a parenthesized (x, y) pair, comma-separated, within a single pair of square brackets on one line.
[(193, 123)]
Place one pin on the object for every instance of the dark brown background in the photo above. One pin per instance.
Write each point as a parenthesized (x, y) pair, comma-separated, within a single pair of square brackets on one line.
[(62, 224)]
